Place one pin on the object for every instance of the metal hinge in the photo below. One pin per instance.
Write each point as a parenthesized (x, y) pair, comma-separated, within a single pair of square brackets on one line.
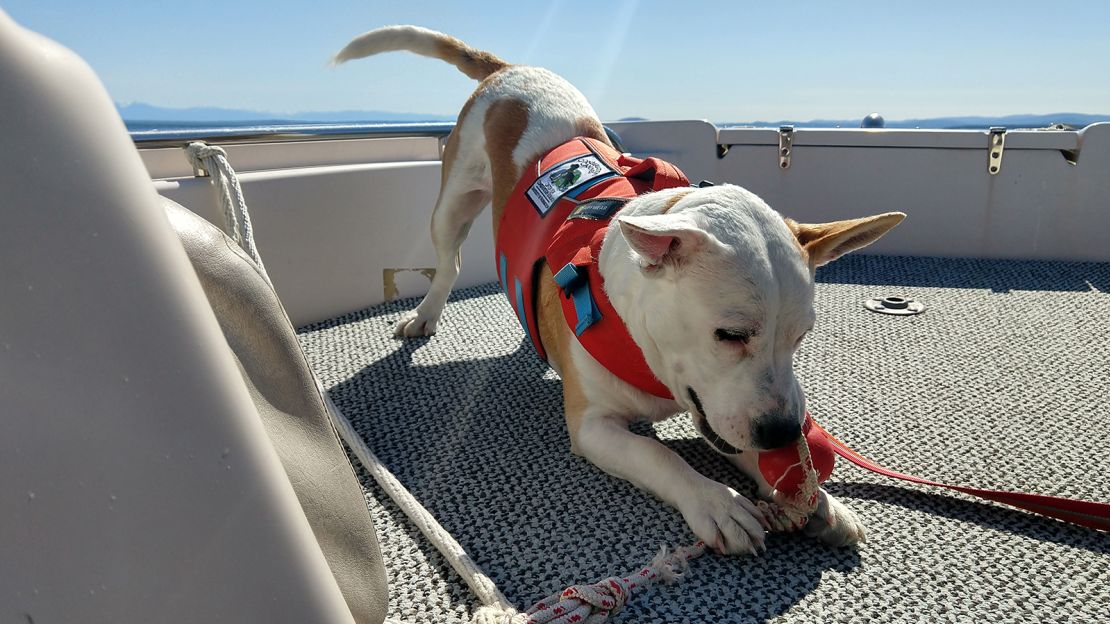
[(997, 142), (786, 145)]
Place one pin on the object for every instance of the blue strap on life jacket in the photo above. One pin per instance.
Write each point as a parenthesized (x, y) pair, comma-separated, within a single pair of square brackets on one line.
[(574, 281)]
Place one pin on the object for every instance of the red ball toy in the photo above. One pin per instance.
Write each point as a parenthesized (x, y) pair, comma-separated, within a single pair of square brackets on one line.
[(782, 467)]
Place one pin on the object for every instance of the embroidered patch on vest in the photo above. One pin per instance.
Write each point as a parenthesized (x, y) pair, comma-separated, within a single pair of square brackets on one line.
[(567, 179), (597, 209)]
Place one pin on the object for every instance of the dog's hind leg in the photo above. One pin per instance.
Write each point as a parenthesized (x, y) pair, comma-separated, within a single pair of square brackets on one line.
[(465, 189), (455, 212)]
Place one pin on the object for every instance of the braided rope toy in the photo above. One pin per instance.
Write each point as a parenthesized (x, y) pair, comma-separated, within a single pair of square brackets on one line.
[(795, 472)]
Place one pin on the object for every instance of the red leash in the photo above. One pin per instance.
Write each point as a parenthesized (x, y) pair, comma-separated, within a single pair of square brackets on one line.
[(1081, 512)]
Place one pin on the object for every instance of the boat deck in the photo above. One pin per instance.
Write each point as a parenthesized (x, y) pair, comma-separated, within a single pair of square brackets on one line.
[(1002, 383)]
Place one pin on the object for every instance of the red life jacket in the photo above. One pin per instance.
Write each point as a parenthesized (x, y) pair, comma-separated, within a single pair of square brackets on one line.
[(559, 212)]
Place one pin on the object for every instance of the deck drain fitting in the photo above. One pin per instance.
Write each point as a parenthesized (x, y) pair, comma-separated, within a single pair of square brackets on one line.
[(899, 306)]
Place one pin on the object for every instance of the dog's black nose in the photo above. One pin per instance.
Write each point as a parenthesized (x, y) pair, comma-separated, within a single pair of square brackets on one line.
[(772, 432)]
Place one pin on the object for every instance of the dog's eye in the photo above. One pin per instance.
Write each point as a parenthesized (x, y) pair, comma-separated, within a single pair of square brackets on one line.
[(739, 336)]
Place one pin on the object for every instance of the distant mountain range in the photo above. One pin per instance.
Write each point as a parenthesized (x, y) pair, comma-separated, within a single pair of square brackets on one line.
[(201, 116)]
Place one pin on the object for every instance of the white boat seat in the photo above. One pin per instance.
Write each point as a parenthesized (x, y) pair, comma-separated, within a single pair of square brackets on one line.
[(141, 483)]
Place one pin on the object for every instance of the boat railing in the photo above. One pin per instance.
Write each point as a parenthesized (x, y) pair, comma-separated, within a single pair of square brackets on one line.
[(285, 133)]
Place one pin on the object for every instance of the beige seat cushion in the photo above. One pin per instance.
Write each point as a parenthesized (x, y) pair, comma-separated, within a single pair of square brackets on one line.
[(292, 410)]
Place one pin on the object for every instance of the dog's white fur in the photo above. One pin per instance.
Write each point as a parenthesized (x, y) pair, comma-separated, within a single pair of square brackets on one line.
[(683, 266)]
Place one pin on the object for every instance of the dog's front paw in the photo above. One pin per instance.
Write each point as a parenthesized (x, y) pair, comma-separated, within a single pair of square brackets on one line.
[(416, 323), (723, 519), (835, 524)]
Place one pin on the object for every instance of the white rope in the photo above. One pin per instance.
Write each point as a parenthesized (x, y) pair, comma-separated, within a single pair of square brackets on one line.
[(237, 220), (578, 604), (482, 586)]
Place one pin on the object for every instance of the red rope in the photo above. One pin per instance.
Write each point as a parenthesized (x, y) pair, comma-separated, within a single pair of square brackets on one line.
[(1081, 512)]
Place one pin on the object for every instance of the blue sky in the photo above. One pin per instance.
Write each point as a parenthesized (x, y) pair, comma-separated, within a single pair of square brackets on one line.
[(725, 61)]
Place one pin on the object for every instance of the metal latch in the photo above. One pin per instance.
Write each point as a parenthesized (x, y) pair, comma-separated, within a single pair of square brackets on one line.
[(786, 145), (998, 141)]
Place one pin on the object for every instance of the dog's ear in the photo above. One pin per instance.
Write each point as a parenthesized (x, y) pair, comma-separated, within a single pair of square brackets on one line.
[(663, 238), (825, 242)]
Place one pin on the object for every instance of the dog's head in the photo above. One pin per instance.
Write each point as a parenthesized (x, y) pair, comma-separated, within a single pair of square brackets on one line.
[(718, 292)]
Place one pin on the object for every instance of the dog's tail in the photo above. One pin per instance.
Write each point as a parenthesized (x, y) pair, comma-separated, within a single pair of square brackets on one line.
[(474, 63)]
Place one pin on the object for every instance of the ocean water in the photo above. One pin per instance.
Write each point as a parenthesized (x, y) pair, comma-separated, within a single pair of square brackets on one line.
[(151, 130)]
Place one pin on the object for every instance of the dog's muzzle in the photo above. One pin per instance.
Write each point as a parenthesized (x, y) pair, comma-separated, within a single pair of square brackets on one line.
[(701, 423)]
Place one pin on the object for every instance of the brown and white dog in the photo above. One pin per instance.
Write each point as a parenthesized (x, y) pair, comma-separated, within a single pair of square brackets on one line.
[(714, 286)]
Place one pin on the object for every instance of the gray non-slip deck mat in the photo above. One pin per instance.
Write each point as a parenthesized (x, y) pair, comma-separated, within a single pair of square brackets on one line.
[(1003, 383)]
